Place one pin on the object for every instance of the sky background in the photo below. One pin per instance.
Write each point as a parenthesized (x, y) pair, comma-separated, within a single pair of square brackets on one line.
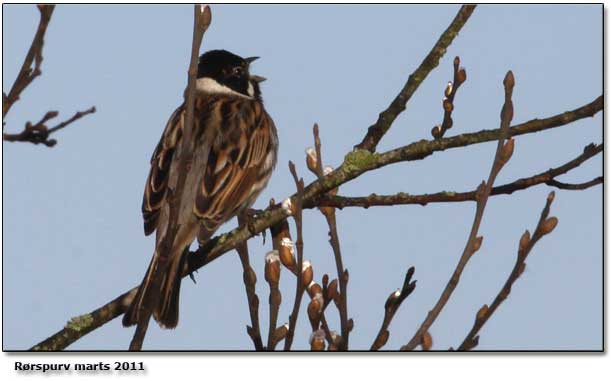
[(72, 228)]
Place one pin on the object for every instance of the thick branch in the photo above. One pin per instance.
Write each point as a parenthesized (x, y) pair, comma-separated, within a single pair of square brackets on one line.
[(388, 116), (351, 168)]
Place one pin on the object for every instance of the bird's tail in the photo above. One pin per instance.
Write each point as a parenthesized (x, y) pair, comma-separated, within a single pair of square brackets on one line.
[(165, 307)]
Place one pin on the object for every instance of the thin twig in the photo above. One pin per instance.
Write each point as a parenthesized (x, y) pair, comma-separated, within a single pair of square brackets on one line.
[(202, 19), (391, 307), (460, 76), (39, 133), (26, 73), (546, 177), (300, 287), (388, 116), (224, 243), (502, 156), (250, 280), (544, 226)]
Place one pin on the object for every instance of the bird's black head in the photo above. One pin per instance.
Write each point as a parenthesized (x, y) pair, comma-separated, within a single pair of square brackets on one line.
[(220, 71)]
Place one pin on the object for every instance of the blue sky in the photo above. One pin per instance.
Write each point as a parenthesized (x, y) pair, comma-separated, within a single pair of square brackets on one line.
[(72, 226)]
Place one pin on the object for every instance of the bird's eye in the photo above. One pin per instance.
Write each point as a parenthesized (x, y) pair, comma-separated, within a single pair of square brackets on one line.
[(238, 71)]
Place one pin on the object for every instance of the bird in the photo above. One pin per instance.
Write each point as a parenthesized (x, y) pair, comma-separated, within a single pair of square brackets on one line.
[(235, 147)]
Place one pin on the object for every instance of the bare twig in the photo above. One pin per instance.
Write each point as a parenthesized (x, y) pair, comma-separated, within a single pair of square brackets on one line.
[(502, 156), (391, 307), (250, 280), (351, 169), (202, 19), (39, 133), (546, 177), (460, 76), (26, 73), (300, 287), (388, 116), (544, 226)]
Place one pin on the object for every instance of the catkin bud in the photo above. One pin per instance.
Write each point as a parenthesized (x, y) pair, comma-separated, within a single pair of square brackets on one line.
[(317, 340), (550, 196), (507, 150), (311, 159), (314, 309), (286, 253), (314, 290), (287, 206), (307, 273), (280, 332), (272, 267), (449, 89)]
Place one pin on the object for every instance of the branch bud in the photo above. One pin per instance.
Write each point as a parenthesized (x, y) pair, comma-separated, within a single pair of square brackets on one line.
[(392, 299), (549, 225), (447, 105), (482, 312), (461, 76), (524, 241), (332, 292), (436, 132), (551, 196), (477, 243), (426, 341)]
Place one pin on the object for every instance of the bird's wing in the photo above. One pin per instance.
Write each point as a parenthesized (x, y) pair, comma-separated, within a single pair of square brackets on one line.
[(236, 169), (159, 174)]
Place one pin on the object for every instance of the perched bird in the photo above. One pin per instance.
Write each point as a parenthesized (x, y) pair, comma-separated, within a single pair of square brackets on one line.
[(235, 146)]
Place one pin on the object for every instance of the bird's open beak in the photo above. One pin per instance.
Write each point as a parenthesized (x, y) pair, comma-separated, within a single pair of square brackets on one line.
[(250, 60), (257, 78)]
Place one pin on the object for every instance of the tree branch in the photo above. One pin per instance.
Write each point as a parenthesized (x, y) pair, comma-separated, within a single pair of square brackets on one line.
[(297, 210), (391, 307), (388, 116), (39, 133), (546, 177), (250, 280), (350, 169), (544, 226), (502, 156), (202, 18), (26, 73)]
